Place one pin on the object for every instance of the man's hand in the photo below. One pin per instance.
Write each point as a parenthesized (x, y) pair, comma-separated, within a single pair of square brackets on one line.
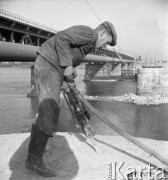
[(70, 72)]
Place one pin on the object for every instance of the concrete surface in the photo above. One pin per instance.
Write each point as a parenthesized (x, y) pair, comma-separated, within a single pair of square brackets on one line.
[(74, 158)]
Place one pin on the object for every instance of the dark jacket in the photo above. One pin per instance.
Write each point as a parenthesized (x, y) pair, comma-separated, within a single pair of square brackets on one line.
[(68, 47)]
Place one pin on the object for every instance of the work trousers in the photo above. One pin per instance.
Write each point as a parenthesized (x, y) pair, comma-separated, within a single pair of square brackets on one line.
[(48, 84)]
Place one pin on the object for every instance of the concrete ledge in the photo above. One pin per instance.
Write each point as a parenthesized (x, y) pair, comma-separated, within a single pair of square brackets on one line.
[(73, 157)]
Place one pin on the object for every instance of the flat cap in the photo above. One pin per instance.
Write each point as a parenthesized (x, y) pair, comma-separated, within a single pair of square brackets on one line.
[(110, 27)]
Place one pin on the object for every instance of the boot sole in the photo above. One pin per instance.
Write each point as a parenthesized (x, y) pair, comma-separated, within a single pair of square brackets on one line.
[(38, 171)]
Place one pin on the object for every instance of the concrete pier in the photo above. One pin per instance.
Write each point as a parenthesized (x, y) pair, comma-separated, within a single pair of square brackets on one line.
[(116, 69), (91, 70), (124, 66), (106, 69), (32, 91), (152, 82)]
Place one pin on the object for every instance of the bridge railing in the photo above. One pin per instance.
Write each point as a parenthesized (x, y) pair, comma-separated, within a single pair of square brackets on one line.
[(9, 15)]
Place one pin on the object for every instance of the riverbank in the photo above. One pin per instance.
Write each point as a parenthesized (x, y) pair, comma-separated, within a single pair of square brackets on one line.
[(74, 158), (15, 64)]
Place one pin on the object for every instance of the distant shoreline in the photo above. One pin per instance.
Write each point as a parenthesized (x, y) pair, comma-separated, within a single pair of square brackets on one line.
[(13, 64)]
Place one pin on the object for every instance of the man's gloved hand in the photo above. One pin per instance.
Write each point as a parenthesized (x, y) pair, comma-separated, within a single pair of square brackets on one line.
[(70, 73)]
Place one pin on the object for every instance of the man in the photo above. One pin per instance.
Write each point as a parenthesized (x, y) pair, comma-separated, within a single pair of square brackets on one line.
[(56, 59)]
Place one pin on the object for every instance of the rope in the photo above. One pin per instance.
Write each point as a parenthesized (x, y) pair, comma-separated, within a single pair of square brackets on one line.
[(93, 11), (121, 49)]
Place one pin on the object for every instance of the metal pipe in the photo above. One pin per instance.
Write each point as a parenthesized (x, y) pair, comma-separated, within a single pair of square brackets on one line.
[(17, 52), (27, 53)]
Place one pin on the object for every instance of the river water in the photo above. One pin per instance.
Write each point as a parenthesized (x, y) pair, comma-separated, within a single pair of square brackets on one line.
[(17, 111)]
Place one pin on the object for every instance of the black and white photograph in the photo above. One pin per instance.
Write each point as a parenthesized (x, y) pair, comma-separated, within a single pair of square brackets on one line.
[(84, 89)]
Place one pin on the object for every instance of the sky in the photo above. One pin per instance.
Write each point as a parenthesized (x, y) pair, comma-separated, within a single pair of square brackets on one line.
[(141, 25)]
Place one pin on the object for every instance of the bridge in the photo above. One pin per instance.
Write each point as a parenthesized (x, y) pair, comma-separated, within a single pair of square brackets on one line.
[(20, 38), (14, 28)]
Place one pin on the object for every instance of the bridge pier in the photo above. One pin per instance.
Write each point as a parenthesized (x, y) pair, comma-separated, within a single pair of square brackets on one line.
[(124, 66), (91, 70), (33, 91), (116, 69), (112, 69), (127, 66), (108, 69), (130, 66)]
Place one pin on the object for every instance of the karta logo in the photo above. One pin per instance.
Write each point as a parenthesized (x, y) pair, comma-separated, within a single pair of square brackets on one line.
[(119, 171)]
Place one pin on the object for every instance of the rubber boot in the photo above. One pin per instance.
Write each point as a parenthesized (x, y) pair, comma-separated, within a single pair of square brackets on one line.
[(35, 161)]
